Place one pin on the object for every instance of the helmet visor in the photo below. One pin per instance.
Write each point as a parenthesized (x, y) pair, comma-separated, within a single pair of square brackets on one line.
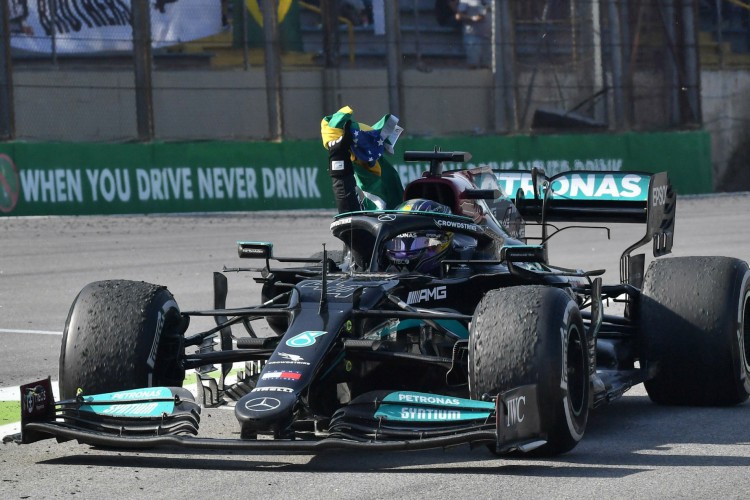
[(410, 243)]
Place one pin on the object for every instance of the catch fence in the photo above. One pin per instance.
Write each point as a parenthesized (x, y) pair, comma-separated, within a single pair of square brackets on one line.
[(77, 70)]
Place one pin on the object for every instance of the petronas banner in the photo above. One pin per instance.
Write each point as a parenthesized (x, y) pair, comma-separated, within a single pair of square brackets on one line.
[(81, 179), (289, 25)]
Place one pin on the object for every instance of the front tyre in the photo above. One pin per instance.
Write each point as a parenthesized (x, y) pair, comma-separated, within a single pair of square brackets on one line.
[(694, 313), (121, 335), (534, 335)]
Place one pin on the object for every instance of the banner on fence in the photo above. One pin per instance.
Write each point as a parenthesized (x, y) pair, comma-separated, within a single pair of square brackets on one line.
[(81, 179), (78, 26)]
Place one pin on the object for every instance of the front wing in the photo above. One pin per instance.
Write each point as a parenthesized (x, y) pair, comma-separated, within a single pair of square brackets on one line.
[(390, 421)]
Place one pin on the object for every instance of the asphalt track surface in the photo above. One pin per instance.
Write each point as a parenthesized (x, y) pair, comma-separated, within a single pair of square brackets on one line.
[(632, 448)]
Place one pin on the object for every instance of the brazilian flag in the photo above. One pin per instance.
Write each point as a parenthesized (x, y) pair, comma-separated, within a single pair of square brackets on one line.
[(376, 177), (287, 13)]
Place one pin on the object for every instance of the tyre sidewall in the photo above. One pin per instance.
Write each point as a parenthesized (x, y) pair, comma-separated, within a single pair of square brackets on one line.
[(570, 417), (543, 320), (112, 336), (692, 319)]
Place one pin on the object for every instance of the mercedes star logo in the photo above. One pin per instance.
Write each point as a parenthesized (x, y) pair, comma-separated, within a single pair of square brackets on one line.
[(262, 404), (386, 217)]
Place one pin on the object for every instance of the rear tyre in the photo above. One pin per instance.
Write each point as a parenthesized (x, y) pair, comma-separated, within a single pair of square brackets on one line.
[(534, 335), (121, 335), (694, 314)]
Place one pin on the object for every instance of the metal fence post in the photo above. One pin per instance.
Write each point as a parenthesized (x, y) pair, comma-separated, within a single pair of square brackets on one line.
[(503, 64), (272, 59), (692, 72), (671, 71), (7, 124), (329, 20), (615, 66), (144, 102), (393, 55)]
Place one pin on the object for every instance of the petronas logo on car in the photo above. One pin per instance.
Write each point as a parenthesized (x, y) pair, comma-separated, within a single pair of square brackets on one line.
[(304, 339)]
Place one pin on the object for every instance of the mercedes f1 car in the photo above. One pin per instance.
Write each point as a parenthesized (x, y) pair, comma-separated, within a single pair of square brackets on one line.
[(441, 322)]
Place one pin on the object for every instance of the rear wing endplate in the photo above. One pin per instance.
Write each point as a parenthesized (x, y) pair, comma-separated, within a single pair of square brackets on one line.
[(599, 197)]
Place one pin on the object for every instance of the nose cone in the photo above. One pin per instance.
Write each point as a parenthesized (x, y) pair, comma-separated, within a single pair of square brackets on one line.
[(265, 411)]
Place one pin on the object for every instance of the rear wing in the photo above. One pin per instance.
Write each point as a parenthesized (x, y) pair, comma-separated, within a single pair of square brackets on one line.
[(599, 197)]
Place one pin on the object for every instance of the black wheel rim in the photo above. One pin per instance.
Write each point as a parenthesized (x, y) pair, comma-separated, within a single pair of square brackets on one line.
[(576, 371), (745, 334)]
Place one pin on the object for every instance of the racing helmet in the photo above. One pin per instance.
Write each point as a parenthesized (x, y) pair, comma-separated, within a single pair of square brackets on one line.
[(423, 205), (420, 251)]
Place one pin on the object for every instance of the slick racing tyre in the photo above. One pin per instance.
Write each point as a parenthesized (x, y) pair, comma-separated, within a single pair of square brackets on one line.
[(694, 314), (121, 335), (534, 335)]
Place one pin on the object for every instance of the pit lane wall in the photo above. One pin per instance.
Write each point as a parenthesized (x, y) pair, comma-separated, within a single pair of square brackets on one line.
[(87, 179)]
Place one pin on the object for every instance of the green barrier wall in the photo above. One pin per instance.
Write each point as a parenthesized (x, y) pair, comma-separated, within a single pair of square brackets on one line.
[(80, 179)]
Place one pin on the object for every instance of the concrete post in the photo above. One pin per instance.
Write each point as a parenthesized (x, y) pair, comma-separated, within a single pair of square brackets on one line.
[(273, 71), (144, 101), (503, 69), (7, 122), (393, 55)]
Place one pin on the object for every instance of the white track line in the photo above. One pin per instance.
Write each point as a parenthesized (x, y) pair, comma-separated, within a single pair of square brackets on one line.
[(35, 332)]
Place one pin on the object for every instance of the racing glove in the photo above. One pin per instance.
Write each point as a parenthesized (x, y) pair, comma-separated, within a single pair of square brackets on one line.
[(341, 171), (339, 154)]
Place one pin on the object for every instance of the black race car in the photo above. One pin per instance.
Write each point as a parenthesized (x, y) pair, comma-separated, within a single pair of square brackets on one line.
[(439, 323)]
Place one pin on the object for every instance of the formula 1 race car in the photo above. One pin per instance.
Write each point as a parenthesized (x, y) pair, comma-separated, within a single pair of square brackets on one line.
[(439, 323)]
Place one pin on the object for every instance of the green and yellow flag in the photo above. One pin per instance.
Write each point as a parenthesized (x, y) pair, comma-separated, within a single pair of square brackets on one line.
[(290, 35), (375, 176)]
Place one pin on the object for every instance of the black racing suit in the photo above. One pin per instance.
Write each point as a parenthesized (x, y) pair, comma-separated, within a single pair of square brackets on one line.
[(341, 170)]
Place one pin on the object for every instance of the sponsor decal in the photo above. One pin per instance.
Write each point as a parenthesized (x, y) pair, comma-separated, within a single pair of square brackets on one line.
[(659, 196), (113, 186), (139, 409), (289, 359), (272, 389), (262, 404), (297, 363), (427, 294), (426, 414), (253, 250), (133, 410), (600, 186), (428, 399), (451, 224), (338, 290), (36, 399), (422, 398), (159, 392), (518, 415), (283, 375), (341, 222), (429, 414), (304, 339), (157, 336), (516, 408), (10, 184)]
